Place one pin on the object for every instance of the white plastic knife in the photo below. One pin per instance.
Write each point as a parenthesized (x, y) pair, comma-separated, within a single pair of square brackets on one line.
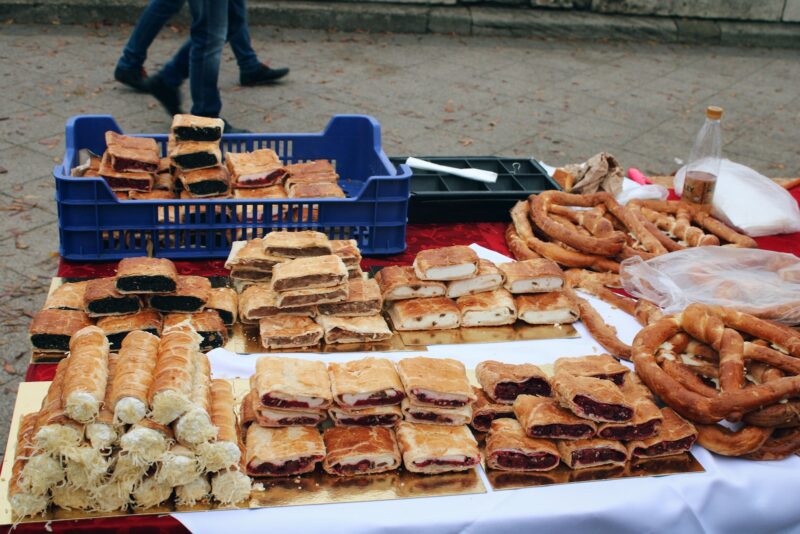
[(479, 175)]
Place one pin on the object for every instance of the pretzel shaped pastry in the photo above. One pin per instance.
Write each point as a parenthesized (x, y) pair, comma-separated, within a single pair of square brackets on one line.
[(711, 325)]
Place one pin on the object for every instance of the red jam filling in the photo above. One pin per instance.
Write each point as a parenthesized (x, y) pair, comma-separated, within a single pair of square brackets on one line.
[(595, 456), (381, 398), (422, 397), (517, 460), (511, 390), (370, 420), (287, 468), (483, 421), (618, 378), (666, 447), (430, 416), (125, 164), (363, 465), (455, 463), (269, 400), (610, 412), (562, 431), (631, 432), (297, 421), (263, 181), (141, 184)]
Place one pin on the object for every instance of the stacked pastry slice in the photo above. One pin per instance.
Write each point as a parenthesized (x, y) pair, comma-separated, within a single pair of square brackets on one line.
[(366, 392), (194, 149), (438, 391), (129, 163)]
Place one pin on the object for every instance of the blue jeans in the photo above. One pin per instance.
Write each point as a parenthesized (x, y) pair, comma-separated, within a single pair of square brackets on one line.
[(156, 15)]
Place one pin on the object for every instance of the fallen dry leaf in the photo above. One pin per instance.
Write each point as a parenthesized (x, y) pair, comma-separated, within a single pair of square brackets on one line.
[(8, 368), (465, 141)]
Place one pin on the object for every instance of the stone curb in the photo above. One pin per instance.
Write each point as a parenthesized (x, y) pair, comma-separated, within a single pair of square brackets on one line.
[(473, 20)]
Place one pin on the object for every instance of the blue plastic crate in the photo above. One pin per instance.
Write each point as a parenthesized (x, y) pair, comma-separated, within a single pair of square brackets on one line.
[(95, 225)]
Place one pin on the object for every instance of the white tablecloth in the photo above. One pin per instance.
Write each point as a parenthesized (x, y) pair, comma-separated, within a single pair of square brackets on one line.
[(731, 496)]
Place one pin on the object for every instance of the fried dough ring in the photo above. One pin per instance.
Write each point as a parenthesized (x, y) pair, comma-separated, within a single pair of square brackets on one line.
[(720, 440), (778, 447), (519, 249)]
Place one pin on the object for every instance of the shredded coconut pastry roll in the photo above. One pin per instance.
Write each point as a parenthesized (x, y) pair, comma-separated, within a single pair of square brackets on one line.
[(224, 451), (194, 426), (145, 442), (196, 491), (151, 493), (87, 375), (54, 430), (23, 501), (102, 433), (133, 377), (230, 486), (171, 390), (85, 467), (177, 466), (69, 498)]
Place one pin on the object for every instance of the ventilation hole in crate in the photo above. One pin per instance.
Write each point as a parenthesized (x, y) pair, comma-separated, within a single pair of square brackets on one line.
[(290, 149)]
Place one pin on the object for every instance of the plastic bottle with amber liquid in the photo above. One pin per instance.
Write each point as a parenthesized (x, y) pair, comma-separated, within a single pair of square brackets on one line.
[(704, 162)]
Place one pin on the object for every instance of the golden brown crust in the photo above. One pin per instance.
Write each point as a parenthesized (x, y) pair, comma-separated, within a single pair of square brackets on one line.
[(142, 149), (224, 299), (87, 373), (389, 415), (499, 302), (251, 254), (135, 368), (254, 162), (596, 366), (518, 247), (309, 273), (568, 447), (175, 365), (365, 376), (222, 411), (143, 320), (396, 277), (781, 444), (721, 440), (484, 409), (445, 257), (363, 298), (52, 410), (568, 389), (370, 329), (194, 176), (272, 191), (292, 377), (204, 321), (99, 289), (420, 443), (507, 435), (350, 445), (427, 313), (67, 296), (603, 333), (534, 412), (293, 244), (673, 428), (258, 300), (539, 268), (247, 412), (444, 376), (317, 166), (293, 298), (490, 373), (298, 189), (284, 331), (279, 446), (59, 322), (146, 267), (548, 302), (347, 249)]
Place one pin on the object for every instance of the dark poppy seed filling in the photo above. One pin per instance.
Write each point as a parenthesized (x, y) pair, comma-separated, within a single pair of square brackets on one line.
[(197, 133), (146, 284), (609, 412), (226, 316), (666, 447), (521, 461), (631, 432), (111, 305), (195, 160), (176, 303), (557, 431), (115, 339), (509, 391), (50, 342), (208, 187), (211, 340)]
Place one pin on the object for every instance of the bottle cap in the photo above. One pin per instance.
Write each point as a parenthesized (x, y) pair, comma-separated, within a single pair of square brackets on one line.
[(714, 113)]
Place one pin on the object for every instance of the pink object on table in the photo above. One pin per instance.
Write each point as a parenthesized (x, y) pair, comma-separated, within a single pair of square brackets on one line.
[(638, 176)]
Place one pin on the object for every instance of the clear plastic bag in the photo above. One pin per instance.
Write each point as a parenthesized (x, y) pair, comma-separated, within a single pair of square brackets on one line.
[(749, 201), (760, 282)]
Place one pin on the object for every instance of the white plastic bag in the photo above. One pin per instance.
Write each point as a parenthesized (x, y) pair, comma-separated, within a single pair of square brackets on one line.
[(760, 282), (749, 201), (633, 191)]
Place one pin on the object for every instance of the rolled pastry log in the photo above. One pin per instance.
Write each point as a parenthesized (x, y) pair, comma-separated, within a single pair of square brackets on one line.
[(224, 451), (87, 374), (54, 430), (171, 390), (194, 426), (230, 486), (151, 493), (178, 466), (195, 491), (145, 442), (134, 376), (102, 433), (23, 502)]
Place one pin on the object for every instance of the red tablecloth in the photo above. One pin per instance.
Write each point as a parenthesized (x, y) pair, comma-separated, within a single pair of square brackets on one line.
[(489, 235)]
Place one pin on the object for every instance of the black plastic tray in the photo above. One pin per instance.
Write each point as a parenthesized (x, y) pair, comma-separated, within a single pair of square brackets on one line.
[(438, 197)]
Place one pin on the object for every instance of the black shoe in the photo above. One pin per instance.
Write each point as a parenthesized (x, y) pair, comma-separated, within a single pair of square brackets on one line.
[(170, 97), (230, 129), (135, 79), (263, 75)]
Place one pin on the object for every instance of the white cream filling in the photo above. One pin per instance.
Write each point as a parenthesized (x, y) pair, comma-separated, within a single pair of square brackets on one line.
[(193, 492), (101, 435), (471, 286), (564, 316), (498, 316), (451, 272), (82, 407), (129, 410), (231, 487), (169, 405), (544, 284), (195, 427), (405, 292), (217, 455), (351, 400)]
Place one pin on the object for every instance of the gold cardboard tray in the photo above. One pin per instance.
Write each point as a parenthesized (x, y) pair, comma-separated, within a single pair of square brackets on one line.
[(313, 488), (244, 338)]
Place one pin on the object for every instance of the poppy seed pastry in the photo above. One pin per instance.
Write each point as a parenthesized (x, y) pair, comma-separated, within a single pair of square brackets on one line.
[(207, 323), (447, 263), (146, 275), (117, 327), (51, 329), (508, 448), (190, 296), (225, 301), (102, 298), (67, 296), (190, 155), (208, 182), (195, 128)]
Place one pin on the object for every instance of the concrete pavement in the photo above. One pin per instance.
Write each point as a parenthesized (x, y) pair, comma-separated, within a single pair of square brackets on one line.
[(439, 95)]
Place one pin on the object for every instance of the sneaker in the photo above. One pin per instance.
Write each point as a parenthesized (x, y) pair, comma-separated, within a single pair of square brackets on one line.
[(168, 96), (263, 75), (230, 129), (135, 79)]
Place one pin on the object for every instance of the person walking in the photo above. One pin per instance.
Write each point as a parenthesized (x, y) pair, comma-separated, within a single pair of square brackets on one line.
[(213, 23)]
